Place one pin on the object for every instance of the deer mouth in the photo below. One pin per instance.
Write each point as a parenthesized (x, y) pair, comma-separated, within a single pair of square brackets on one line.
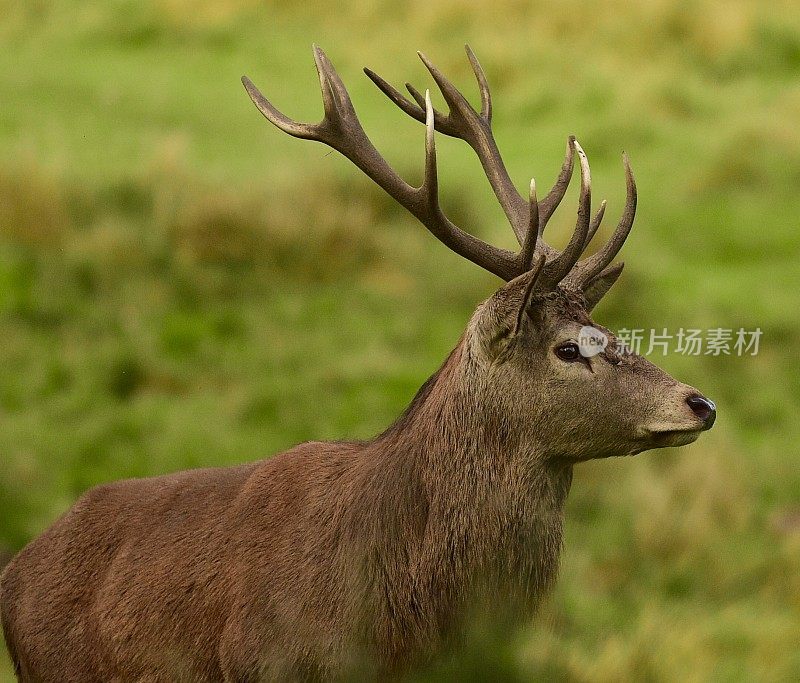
[(671, 438)]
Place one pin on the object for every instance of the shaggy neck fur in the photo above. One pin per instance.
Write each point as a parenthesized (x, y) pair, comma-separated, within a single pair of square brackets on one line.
[(470, 512)]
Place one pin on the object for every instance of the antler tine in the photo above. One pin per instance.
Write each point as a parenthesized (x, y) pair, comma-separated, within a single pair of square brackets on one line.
[(415, 111), (329, 77), (596, 263), (442, 123), (557, 269), (325, 87), (418, 97), (550, 203), (475, 129), (595, 224), (339, 111), (431, 181), (341, 130), (532, 236), (287, 125), (483, 85)]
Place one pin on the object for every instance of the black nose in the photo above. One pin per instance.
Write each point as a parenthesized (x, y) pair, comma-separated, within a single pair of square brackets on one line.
[(704, 409)]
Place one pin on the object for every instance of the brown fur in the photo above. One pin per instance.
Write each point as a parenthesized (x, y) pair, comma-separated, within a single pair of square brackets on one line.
[(334, 558)]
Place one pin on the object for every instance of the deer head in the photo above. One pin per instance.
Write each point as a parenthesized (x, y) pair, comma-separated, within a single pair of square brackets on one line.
[(520, 351)]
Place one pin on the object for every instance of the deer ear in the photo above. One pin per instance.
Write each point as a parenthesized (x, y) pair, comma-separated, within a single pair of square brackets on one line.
[(529, 279), (597, 287), (501, 317)]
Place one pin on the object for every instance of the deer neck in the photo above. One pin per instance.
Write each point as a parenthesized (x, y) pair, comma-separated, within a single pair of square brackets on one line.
[(469, 510), (456, 434), (484, 482)]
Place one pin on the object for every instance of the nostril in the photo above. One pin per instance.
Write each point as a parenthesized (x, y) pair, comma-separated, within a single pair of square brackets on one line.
[(702, 407)]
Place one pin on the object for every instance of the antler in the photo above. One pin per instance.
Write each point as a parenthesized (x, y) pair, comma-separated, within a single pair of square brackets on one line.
[(341, 130), (475, 128), (587, 270)]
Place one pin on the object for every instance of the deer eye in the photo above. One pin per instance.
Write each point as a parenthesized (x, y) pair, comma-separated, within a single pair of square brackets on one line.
[(568, 352)]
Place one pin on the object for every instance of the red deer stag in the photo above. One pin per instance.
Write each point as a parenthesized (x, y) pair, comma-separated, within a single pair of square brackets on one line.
[(335, 556)]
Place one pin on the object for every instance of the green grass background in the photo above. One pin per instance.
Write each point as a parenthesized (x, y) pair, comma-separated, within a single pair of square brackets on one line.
[(181, 285)]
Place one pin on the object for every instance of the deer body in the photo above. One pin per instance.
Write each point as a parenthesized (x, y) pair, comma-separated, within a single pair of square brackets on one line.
[(213, 574), (361, 557)]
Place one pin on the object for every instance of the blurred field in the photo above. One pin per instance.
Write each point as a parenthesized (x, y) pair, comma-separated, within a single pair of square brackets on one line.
[(182, 285)]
